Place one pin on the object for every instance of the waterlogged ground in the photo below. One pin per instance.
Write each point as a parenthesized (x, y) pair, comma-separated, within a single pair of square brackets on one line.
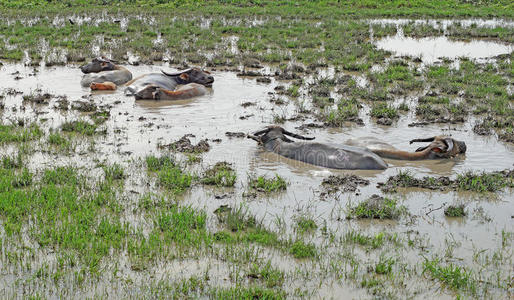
[(94, 202)]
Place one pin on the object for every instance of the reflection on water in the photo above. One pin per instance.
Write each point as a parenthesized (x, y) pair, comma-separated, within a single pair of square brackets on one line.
[(432, 49)]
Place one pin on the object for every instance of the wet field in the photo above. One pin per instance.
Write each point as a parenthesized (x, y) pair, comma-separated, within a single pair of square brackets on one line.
[(421, 253)]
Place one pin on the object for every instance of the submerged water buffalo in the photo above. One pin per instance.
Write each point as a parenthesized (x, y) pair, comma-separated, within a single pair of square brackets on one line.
[(163, 86), (274, 139), (440, 147), (103, 74)]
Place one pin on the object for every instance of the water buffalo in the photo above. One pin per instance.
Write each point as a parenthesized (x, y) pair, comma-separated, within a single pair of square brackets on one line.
[(103, 74), (274, 139), (440, 147), (163, 85)]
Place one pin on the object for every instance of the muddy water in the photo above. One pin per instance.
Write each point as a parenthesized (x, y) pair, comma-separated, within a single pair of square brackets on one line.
[(135, 129)]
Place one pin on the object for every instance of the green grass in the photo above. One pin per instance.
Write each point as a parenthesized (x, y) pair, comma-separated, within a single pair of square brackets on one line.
[(11, 161), (17, 134), (455, 211), (114, 172), (59, 140), (221, 174), (369, 241), (454, 277), (301, 249), (271, 276), (483, 182), (268, 185), (80, 127), (158, 163), (377, 208), (384, 110), (305, 224)]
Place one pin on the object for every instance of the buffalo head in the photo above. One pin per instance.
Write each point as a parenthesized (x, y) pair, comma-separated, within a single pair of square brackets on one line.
[(191, 75), (98, 64)]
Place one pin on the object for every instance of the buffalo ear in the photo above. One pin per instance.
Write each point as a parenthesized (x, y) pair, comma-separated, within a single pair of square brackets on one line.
[(184, 76)]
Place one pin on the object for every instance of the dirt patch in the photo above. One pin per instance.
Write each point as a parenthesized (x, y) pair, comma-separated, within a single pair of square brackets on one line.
[(345, 183), (184, 145)]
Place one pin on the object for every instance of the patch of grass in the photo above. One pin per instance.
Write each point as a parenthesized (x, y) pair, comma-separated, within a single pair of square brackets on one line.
[(221, 174), (346, 110), (174, 179), (243, 228), (158, 163), (59, 140), (183, 226), (483, 182), (12, 133), (253, 292), (268, 185), (371, 241), (455, 211), (80, 127), (11, 161), (384, 265), (67, 175), (271, 276), (377, 207), (300, 249), (455, 277), (305, 224), (384, 110), (114, 172)]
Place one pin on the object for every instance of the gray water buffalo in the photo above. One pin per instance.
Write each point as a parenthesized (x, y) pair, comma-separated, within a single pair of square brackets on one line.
[(103, 74), (440, 147), (164, 85), (274, 139)]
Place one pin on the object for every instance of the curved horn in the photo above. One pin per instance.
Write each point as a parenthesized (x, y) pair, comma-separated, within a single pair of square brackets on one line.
[(260, 132), (176, 73), (296, 135), (449, 143)]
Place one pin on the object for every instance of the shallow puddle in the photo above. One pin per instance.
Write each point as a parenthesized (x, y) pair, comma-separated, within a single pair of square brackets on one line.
[(432, 49)]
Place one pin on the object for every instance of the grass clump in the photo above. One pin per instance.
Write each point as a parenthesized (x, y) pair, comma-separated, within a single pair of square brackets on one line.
[(484, 182), (253, 292), (371, 241), (158, 163), (59, 140), (455, 277), (455, 211), (80, 127), (300, 249), (384, 110), (271, 276), (13, 133), (268, 185), (11, 162), (242, 227), (183, 226), (114, 172), (347, 110), (174, 179), (304, 224), (170, 175), (221, 174), (61, 176), (384, 265), (377, 207)]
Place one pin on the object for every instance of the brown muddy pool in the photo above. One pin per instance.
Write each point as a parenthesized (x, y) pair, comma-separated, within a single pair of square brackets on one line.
[(136, 128)]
